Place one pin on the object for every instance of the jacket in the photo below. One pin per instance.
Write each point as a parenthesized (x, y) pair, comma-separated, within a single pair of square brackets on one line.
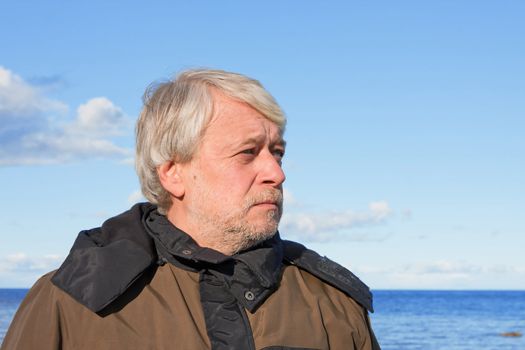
[(138, 282)]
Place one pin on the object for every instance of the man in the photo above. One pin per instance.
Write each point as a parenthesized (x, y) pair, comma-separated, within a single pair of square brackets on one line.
[(202, 266)]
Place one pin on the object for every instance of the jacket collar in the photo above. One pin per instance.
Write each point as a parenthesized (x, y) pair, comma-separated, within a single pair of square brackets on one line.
[(106, 262), (257, 270)]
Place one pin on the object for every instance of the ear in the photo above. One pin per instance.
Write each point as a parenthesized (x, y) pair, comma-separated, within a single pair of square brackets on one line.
[(171, 179)]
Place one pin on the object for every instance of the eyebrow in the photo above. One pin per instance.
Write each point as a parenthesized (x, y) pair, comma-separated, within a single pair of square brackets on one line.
[(279, 142)]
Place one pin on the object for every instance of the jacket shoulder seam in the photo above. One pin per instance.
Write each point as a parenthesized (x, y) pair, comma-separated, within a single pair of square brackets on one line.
[(329, 272)]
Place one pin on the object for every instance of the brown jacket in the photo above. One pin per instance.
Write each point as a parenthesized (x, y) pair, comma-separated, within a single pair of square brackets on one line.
[(175, 306)]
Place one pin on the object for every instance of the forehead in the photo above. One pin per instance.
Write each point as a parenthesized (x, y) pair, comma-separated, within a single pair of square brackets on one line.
[(235, 119)]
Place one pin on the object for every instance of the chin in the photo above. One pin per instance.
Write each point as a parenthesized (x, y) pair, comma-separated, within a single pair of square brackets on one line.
[(252, 240), (269, 232)]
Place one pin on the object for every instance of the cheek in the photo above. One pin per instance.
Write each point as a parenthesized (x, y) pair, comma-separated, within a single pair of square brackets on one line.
[(228, 181), (237, 177)]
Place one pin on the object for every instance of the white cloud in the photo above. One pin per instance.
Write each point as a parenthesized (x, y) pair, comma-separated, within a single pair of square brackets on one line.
[(18, 99), (136, 197), (439, 267), (443, 267), (442, 274), (379, 210), (34, 130), (332, 225), (128, 161), (22, 263), (98, 117), (22, 270), (288, 198)]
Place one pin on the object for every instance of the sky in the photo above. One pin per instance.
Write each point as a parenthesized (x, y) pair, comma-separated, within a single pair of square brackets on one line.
[(405, 147)]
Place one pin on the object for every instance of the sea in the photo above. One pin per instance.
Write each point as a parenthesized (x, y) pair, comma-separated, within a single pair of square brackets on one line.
[(414, 319)]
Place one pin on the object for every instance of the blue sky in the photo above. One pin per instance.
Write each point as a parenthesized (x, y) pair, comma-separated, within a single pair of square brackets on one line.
[(405, 126)]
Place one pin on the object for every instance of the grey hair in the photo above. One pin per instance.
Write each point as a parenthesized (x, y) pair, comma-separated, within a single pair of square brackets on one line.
[(176, 114)]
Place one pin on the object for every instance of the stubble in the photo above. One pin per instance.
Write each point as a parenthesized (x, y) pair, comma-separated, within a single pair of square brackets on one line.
[(234, 231)]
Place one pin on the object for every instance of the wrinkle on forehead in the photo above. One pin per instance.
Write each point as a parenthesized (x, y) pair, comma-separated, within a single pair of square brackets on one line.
[(222, 101), (225, 120)]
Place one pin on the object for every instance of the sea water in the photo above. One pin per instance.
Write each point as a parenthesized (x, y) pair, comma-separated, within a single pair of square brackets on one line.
[(9, 301), (410, 320)]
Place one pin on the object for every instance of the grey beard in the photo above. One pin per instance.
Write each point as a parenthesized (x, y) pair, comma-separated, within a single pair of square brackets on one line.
[(232, 235), (241, 237)]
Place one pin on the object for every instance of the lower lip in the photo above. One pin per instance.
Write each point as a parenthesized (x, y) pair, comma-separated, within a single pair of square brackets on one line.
[(266, 205)]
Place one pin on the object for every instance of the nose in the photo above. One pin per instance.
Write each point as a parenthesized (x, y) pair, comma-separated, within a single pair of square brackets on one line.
[(271, 172)]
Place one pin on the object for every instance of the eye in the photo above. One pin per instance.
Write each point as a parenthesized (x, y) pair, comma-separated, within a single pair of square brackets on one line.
[(250, 151), (278, 153)]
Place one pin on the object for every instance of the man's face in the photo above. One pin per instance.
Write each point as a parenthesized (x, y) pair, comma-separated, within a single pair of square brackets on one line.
[(233, 185)]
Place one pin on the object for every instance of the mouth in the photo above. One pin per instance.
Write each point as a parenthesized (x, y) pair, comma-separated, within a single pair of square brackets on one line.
[(267, 204), (269, 201)]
